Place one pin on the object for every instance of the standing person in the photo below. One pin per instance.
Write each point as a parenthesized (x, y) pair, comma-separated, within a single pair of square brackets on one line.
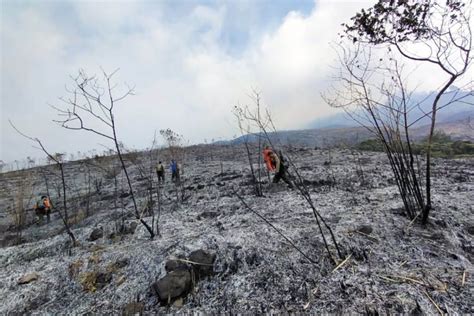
[(174, 171), (42, 208), (276, 164), (280, 170), (160, 172)]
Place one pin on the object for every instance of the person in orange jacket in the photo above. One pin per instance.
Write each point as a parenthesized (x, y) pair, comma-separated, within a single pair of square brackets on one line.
[(43, 207), (275, 164), (269, 159)]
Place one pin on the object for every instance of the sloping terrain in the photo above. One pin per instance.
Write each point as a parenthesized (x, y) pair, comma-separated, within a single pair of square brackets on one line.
[(459, 129), (393, 265)]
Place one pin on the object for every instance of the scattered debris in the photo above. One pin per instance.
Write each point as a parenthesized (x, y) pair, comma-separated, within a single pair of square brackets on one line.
[(27, 278)]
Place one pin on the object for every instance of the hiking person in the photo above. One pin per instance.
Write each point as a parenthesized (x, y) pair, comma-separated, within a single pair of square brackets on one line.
[(276, 164), (43, 207), (160, 172), (174, 170)]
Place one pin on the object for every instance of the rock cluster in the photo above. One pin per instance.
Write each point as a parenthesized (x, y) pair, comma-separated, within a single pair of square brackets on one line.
[(182, 275)]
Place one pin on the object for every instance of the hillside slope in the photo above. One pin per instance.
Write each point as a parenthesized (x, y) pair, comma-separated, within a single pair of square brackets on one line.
[(393, 265)]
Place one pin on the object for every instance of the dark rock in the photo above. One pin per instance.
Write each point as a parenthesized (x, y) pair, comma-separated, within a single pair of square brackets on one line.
[(124, 195), (416, 310), (102, 279), (364, 229), (318, 183), (10, 240), (371, 310), (398, 211), (253, 259), (220, 226), (133, 308), (208, 214), (200, 186), (96, 234), (129, 229), (454, 256), (204, 263), (174, 285), (121, 263), (174, 265), (231, 177), (109, 197), (435, 236), (132, 227), (470, 230), (461, 178)]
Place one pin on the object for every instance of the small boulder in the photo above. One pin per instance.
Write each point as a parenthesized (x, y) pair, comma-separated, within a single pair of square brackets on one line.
[(130, 228), (133, 308), (27, 278), (124, 195), (102, 279), (96, 234), (92, 281), (208, 214), (117, 265), (364, 229), (174, 285), (470, 230), (202, 262), (174, 265), (121, 263)]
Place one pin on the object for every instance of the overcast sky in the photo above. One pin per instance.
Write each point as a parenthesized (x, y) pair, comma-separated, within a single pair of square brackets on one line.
[(190, 62)]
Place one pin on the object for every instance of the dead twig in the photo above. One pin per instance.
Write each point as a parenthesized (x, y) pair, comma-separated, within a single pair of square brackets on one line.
[(340, 265), (434, 303), (192, 262), (398, 279), (373, 239)]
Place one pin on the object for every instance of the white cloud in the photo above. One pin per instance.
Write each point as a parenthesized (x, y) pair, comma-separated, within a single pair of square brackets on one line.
[(185, 77)]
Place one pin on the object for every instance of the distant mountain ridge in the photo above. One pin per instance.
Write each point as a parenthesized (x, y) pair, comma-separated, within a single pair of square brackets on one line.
[(456, 111), (333, 136)]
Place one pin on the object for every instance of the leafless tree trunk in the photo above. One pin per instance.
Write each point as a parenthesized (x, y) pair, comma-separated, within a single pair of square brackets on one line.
[(245, 132), (375, 94), (443, 31), (64, 215), (89, 100)]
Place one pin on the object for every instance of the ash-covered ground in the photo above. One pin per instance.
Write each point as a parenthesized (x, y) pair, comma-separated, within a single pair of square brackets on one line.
[(394, 265)]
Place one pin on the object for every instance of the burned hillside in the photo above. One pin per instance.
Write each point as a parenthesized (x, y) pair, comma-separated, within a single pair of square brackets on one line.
[(217, 256)]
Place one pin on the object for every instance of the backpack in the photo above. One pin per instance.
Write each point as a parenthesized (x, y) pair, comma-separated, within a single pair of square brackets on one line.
[(280, 155)]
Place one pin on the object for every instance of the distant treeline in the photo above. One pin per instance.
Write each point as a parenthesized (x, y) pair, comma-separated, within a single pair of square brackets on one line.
[(443, 146)]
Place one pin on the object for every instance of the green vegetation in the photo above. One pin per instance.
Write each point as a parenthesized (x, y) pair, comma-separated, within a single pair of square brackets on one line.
[(370, 145), (443, 146)]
